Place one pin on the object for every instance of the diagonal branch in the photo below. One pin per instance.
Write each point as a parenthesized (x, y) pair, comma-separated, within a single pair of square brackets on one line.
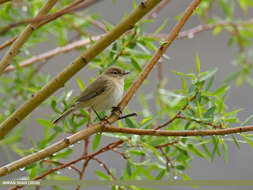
[(58, 81), (100, 126), (3, 1)]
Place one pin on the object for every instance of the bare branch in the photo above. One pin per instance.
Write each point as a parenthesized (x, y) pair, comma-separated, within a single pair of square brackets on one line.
[(154, 132)]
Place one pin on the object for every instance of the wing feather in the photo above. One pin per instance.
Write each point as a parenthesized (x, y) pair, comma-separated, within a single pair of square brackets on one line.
[(93, 90)]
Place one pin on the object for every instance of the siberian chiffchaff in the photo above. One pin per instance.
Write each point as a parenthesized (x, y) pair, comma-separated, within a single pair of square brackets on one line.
[(104, 93)]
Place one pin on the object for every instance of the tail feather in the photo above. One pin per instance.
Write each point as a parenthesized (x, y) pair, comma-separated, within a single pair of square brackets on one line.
[(70, 110)]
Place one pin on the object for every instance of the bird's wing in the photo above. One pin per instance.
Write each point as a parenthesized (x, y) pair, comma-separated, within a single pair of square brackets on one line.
[(93, 90)]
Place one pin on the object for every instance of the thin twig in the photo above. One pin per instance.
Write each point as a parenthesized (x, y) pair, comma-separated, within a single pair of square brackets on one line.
[(60, 163), (105, 167), (186, 133)]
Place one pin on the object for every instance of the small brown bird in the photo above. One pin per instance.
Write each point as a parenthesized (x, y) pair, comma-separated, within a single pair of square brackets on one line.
[(104, 93)]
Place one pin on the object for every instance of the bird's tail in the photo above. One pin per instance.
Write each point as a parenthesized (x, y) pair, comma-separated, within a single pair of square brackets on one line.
[(67, 112)]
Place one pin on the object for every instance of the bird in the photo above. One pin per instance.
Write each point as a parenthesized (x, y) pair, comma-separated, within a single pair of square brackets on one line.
[(102, 94)]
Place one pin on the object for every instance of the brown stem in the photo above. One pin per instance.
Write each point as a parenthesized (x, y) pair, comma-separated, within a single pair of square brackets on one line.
[(153, 132)]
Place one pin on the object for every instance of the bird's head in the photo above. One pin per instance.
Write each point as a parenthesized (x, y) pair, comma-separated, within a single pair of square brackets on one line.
[(115, 72)]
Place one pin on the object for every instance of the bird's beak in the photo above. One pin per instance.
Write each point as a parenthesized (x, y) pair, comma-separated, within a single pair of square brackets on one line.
[(126, 73)]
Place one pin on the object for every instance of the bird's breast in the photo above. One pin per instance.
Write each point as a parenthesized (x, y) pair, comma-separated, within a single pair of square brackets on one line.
[(111, 97)]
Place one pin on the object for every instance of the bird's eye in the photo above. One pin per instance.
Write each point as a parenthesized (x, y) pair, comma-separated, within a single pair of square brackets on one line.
[(115, 72)]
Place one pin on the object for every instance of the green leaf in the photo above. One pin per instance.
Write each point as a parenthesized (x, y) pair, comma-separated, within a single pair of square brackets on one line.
[(235, 141), (63, 153), (249, 141), (61, 177), (217, 30), (210, 83), (128, 168), (102, 175), (160, 175), (45, 123), (196, 151), (205, 75), (96, 141), (135, 63), (80, 83), (190, 75), (130, 123), (209, 113), (224, 149), (184, 85), (197, 63), (161, 27), (220, 91), (247, 121)]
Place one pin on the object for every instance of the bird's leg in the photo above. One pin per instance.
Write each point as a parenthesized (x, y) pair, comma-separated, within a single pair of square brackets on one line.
[(101, 119), (117, 108)]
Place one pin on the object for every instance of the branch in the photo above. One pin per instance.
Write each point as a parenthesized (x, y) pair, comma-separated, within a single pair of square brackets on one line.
[(3, 1), (100, 126), (23, 37), (58, 81), (153, 132)]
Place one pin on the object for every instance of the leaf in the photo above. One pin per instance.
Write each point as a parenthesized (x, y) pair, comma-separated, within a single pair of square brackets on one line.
[(205, 75), (130, 123), (224, 149), (196, 151), (247, 121), (184, 85), (197, 63), (247, 140), (80, 83), (135, 63), (209, 113), (217, 30), (190, 75), (235, 141), (161, 27), (210, 83), (128, 168), (61, 177), (96, 141), (160, 175), (63, 153), (220, 91), (102, 175), (45, 123)]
